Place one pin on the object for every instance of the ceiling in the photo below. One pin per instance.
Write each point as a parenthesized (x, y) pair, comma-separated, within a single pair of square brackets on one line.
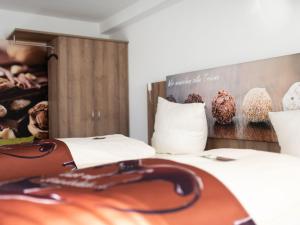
[(87, 10)]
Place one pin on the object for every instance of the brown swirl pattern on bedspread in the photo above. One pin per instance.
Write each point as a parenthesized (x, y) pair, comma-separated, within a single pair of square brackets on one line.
[(139, 192), (39, 158)]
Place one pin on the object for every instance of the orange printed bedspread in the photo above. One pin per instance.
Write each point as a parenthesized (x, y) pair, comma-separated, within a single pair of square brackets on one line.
[(140, 192), (39, 158)]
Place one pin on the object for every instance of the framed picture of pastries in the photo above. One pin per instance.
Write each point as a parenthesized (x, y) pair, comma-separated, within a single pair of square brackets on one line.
[(23, 92), (239, 97)]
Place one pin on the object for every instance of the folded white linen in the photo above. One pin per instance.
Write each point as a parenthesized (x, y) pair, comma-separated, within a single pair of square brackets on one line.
[(94, 151)]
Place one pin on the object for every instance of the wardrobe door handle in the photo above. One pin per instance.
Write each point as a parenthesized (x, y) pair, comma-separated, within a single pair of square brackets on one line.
[(93, 115), (99, 115)]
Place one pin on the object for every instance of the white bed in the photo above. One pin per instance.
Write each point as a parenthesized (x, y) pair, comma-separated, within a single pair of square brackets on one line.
[(267, 184)]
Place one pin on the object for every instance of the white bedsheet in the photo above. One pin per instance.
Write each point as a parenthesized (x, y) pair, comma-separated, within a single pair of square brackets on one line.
[(88, 152), (267, 184)]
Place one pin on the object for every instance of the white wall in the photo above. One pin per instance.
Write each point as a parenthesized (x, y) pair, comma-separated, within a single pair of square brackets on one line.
[(198, 34), (10, 20)]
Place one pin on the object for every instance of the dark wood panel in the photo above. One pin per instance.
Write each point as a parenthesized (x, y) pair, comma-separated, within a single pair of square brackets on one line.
[(213, 143), (71, 96), (111, 88), (74, 67), (159, 89), (123, 88), (45, 37), (58, 98), (62, 92), (52, 93), (111, 120), (100, 89), (88, 88), (73, 86)]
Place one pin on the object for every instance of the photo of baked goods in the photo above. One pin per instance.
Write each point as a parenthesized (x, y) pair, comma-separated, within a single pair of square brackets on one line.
[(238, 98), (23, 91), (256, 105), (223, 107)]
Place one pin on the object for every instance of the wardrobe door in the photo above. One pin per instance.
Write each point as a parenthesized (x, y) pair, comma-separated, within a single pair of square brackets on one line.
[(100, 90), (80, 87), (106, 88), (123, 87), (111, 88), (73, 89)]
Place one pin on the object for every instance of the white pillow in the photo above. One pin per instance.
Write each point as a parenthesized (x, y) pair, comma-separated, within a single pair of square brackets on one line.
[(179, 128), (88, 152), (287, 127)]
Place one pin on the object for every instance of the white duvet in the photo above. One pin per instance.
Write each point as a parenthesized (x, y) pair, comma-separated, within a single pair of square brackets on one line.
[(267, 184)]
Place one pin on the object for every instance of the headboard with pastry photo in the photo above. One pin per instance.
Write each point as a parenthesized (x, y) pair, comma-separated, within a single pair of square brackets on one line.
[(238, 98)]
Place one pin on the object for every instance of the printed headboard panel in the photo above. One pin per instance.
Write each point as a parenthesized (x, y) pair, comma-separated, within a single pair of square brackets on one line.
[(238, 97), (23, 93)]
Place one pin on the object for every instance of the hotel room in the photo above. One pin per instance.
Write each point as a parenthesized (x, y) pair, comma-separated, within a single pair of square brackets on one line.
[(138, 112)]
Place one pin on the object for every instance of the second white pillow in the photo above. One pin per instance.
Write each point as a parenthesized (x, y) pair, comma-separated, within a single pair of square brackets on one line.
[(287, 127), (179, 128)]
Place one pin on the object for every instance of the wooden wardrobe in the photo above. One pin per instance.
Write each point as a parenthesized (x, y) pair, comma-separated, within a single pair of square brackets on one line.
[(88, 86)]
